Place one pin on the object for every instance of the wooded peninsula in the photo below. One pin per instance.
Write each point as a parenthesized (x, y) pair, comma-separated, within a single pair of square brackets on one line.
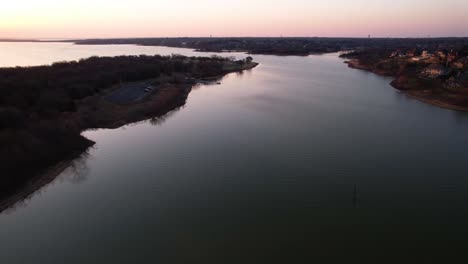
[(44, 109)]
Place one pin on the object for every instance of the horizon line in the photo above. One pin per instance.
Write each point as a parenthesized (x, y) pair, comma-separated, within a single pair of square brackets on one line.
[(219, 37)]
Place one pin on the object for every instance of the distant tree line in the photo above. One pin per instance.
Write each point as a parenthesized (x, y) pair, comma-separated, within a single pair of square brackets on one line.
[(285, 46)]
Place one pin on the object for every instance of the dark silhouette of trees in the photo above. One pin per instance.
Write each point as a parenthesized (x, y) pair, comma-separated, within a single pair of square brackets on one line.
[(38, 106), (284, 46)]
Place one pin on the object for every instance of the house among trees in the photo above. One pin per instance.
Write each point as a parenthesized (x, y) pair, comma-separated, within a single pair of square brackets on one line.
[(460, 63), (411, 53), (426, 54), (394, 54), (435, 71), (441, 54), (452, 56)]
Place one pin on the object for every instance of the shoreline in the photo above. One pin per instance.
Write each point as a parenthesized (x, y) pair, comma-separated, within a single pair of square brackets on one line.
[(41, 180), (355, 64), (436, 102), (168, 98)]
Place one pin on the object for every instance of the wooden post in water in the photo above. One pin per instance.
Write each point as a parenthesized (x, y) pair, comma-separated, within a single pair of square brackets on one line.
[(355, 196)]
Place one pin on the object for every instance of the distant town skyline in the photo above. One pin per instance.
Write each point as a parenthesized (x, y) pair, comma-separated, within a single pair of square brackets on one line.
[(242, 18)]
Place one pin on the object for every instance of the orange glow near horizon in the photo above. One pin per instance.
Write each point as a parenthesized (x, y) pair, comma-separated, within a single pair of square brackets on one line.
[(179, 18)]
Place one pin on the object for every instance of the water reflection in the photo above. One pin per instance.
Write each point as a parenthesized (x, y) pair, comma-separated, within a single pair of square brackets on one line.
[(75, 171), (159, 121), (210, 82), (78, 171), (460, 117), (355, 196), (304, 157)]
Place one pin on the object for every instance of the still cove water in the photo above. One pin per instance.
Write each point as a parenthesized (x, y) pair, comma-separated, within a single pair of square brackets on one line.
[(300, 157)]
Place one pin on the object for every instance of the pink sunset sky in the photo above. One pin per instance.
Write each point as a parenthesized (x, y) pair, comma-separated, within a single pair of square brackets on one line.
[(184, 18)]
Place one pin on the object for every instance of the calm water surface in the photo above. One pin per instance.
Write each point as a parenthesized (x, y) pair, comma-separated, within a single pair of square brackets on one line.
[(300, 157)]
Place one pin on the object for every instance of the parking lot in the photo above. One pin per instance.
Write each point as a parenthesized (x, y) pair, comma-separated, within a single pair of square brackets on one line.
[(130, 92)]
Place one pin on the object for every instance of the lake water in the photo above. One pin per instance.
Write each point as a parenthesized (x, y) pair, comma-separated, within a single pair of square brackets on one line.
[(300, 158)]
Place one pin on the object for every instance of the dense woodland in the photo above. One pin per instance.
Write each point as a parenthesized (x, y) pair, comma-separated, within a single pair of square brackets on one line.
[(35, 102)]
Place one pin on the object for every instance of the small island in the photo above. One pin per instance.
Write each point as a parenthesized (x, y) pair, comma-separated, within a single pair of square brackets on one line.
[(436, 74), (44, 109)]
